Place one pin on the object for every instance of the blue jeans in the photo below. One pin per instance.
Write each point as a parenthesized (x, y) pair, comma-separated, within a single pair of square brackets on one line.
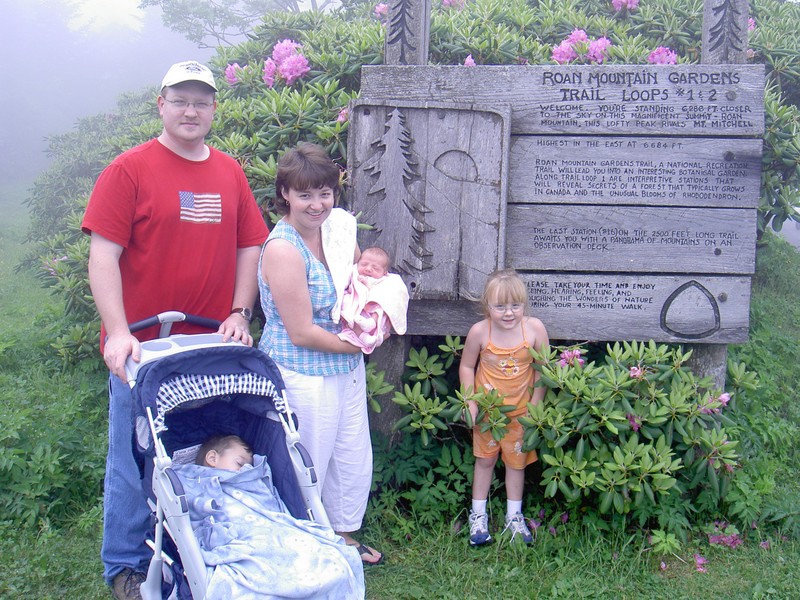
[(126, 515)]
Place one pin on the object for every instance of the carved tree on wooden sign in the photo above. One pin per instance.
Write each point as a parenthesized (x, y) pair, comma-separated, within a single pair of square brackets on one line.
[(429, 181), (400, 31), (394, 169), (726, 31)]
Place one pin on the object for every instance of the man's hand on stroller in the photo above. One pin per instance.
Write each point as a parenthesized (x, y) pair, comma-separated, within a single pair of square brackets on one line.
[(236, 328), (117, 349)]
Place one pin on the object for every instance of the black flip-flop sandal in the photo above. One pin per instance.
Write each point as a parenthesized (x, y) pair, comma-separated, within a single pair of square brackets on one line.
[(365, 551)]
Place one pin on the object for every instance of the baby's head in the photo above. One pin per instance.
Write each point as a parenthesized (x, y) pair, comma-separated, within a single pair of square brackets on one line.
[(374, 262), (227, 452)]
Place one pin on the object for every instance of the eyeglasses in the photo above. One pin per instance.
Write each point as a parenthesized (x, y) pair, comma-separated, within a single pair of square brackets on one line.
[(502, 308), (183, 104)]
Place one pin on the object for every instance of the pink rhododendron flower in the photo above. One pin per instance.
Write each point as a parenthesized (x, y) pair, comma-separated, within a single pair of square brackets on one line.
[(382, 10), (293, 68), (663, 566), (627, 4), (751, 24), (724, 399), (765, 544), (344, 115), (636, 422), (731, 541), (564, 53), (700, 562), (231, 73), (597, 49), (469, 61), (750, 53), (568, 358), (578, 46), (283, 50), (51, 265), (725, 535), (454, 3), (662, 56), (636, 373), (269, 72), (577, 36)]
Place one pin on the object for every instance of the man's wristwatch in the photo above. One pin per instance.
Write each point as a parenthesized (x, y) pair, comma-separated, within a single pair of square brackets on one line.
[(247, 313)]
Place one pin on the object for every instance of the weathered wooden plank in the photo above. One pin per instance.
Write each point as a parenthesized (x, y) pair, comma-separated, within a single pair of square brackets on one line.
[(630, 239), (707, 100), (431, 181), (596, 307), (407, 39), (624, 170)]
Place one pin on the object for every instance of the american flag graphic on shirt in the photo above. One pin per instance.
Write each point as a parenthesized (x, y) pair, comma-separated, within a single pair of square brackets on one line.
[(200, 208)]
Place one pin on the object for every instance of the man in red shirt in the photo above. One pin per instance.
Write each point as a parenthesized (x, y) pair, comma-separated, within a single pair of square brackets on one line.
[(174, 226)]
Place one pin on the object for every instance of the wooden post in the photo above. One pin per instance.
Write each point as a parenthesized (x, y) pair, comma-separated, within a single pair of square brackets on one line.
[(390, 357), (406, 43), (724, 42), (408, 32), (725, 32)]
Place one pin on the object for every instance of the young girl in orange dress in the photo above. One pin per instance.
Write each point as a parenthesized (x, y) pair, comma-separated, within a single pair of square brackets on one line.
[(496, 357)]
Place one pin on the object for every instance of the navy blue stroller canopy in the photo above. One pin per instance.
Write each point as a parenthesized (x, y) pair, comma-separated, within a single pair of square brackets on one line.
[(231, 390)]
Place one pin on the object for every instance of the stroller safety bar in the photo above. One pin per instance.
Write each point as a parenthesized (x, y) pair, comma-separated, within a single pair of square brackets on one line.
[(152, 350), (167, 318)]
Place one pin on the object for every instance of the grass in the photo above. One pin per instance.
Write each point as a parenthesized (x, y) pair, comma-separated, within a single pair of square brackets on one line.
[(49, 561), (577, 564)]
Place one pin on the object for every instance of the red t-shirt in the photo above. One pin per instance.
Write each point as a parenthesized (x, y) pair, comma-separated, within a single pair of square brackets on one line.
[(180, 223)]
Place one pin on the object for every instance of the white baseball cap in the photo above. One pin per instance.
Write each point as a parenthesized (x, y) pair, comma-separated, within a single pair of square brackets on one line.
[(188, 70)]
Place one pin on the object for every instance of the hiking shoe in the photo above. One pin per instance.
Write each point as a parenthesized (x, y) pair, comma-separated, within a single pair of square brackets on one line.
[(127, 583), (479, 529), (516, 523)]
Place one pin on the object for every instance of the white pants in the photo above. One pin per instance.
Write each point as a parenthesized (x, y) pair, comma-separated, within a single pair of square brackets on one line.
[(334, 427)]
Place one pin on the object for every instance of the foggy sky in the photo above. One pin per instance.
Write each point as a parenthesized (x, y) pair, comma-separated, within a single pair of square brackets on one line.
[(53, 76)]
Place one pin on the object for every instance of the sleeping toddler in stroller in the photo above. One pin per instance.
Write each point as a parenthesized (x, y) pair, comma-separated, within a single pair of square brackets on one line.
[(252, 546)]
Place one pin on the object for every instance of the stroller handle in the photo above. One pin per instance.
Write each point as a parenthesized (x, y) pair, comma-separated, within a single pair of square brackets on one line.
[(167, 318)]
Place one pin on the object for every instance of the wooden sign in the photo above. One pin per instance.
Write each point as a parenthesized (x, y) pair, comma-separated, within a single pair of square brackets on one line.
[(690, 100), (599, 306), (630, 238), (624, 170)]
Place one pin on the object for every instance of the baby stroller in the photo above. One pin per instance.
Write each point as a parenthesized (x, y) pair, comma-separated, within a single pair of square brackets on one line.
[(185, 389)]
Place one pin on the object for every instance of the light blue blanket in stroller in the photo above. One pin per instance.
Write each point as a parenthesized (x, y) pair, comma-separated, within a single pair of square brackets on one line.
[(254, 548)]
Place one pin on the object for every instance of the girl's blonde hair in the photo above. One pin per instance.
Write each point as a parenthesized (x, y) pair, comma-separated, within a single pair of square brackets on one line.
[(504, 287)]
